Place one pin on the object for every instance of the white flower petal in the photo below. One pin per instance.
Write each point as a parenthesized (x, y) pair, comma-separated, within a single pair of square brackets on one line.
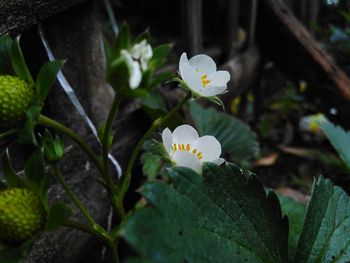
[(212, 91), (137, 49), (186, 159), (218, 161), (185, 134), (167, 138), (191, 78), (220, 79), (146, 55), (134, 69), (209, 146), (182, 62), (135, 75), (203, 64)]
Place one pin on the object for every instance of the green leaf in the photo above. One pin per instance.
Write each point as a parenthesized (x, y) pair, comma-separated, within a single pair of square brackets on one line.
[(35, 175), (46, 77), (154, 100), (123, 40), (58, 215), (160, 54), (220, 217), (340, 139), (152, 165), (18, 63), (296, 214), (12, 179), (159, 79), (118, 75), (26, 134), (325, 236), (5, 58), (154, 158), (236, 138)]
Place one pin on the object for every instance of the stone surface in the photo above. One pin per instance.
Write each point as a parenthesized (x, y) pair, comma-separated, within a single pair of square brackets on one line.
[(17, 15)]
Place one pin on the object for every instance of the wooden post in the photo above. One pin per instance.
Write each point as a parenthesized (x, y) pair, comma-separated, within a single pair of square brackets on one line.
[(314, 10), (192, 25), (232, 17), (252, 22)]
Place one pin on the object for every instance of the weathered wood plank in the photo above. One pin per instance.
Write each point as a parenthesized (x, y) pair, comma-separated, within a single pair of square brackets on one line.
[(289, 43), (17, 15)]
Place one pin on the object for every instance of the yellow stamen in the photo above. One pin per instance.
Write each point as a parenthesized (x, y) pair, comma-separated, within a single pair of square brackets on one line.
[(188, 148), (199, 155), (174, 147), (194, 151), (205, 80)]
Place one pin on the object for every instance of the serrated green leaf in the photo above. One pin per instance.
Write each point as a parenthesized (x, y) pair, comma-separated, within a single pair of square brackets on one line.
[(46, 77), (18, 63), (160, 54), (12, 179), (220, 217), (236, 138), (58, 215), (151, 165), (296, 214), (325, 236), (5, 57), (340, 139)]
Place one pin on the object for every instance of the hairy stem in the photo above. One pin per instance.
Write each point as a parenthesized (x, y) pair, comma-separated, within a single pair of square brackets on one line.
[(126, 178), (46, 121)]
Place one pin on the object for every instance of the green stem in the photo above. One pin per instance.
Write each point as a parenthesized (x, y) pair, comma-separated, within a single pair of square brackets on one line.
[(105, 145), (87, 229), (114, 253), (75, 137), (126, 178), (75, 200)]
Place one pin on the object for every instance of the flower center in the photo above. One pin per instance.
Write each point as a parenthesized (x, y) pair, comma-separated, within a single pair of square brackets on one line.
[(187, 148), (205, 80)]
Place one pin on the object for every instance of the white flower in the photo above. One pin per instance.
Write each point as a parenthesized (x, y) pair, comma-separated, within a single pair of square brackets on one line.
[(142, 52), (186, 148), (137, 61), (200, 75)]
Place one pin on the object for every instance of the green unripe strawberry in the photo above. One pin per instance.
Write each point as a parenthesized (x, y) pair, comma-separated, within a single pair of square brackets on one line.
[(21, 215), (15, 98)]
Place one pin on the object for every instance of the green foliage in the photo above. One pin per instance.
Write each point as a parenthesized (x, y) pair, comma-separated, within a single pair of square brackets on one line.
[(12, 179), (236, 138), (5, 58), (53, 147), (14, 254), (340, 140), (46, 77), (18, 63), (26, 134), (296, 214), (220, 217), (58, 215), (154, 158), (123, 40), (36, 177), (160, 54), (325, 236)]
